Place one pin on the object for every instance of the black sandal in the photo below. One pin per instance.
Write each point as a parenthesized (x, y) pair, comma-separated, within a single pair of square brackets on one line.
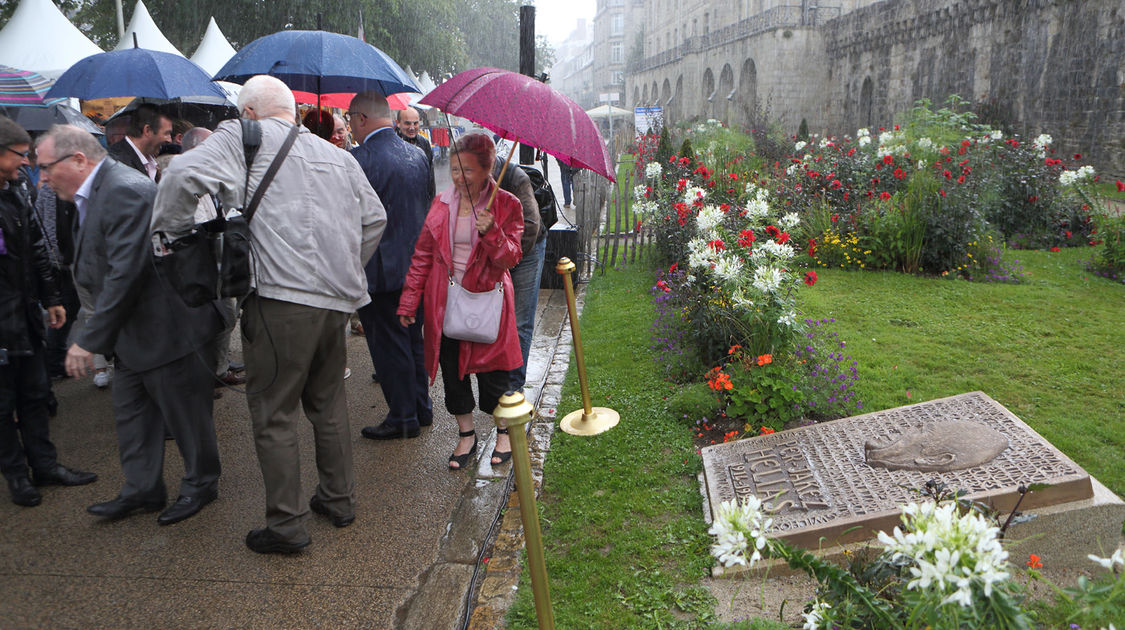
[(503, 456), (463, 459)]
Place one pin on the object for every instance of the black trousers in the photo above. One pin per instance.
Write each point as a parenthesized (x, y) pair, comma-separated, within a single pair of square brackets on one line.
[(399, 359), (459, 391), (57, 338), (24, 388)]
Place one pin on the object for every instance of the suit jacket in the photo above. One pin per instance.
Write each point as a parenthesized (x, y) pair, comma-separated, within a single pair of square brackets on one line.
[(136, 316), (401, 176), (123, 152), (421, 142)]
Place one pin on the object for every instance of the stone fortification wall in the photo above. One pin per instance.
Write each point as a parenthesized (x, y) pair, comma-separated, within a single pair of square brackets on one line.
[(1054, 66)]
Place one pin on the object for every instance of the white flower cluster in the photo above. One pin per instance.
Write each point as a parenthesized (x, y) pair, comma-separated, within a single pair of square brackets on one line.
[(887, 137), (1068, 178), (863, 137), (710, 217), (653, 170), (817, 616), (1041, 143), (952, 552), (767, 279), (639, 192), (925, 144), (892, 149), (771, 247), (1107, 563), (741, 531), (800, 145), (645, 209), (789, 221), (693, 194), (700, 255), (996, 134), (758, 207)]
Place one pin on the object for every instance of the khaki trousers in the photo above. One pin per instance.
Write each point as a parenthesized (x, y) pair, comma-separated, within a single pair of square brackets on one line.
[(295, 358)]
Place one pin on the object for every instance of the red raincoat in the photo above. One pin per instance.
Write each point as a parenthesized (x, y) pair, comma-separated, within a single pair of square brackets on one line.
[(491, 257)]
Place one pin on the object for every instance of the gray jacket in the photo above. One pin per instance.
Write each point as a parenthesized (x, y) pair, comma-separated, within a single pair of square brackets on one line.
[(318, 222)]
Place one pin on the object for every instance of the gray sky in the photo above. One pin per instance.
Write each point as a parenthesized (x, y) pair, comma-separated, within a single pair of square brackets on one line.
[(557, 18)]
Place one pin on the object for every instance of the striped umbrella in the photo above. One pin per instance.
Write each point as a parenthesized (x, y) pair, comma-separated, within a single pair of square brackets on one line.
[(24, 88)]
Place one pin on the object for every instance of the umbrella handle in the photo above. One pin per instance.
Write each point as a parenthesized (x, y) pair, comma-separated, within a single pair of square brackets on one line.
[(503, 169)]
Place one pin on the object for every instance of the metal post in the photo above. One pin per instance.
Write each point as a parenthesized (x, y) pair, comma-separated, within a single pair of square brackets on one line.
[(516, 411), (588, 420)]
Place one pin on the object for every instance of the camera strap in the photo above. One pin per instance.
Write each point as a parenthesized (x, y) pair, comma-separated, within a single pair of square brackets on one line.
[(249, 211)]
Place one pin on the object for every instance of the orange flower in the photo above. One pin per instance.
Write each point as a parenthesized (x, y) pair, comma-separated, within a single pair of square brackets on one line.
[(734, 348), (765, 359), (767, 431), (1033, 561)]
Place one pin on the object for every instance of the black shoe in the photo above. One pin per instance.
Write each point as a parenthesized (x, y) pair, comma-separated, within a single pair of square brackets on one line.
[(122, 507), (462, 460), (235, 367), (23, 493), (503, 456), (386, 431), (339, 521), (62, 476), (186, 507), (374, 377), (265, 541)]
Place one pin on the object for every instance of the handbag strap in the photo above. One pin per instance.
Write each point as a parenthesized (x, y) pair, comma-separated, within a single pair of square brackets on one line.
[(249, 211)]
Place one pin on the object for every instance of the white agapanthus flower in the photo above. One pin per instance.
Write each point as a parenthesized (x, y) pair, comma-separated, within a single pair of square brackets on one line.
[(653, 170), (1107, 563), (767, 279), (729, 268), (788, 319), (741, 531), (709, 218), (817, 616), (800, 145), (639, 192), (951, 551), (789, 221)]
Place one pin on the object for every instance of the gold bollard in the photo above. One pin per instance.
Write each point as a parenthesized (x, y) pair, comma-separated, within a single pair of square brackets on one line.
[(517, 412), (588, 420)]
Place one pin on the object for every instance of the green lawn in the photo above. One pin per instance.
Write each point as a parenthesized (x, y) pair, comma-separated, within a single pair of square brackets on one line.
[(621, 512)]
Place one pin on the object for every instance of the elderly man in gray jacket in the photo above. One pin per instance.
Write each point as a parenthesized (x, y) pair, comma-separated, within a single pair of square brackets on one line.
[(317, 224)]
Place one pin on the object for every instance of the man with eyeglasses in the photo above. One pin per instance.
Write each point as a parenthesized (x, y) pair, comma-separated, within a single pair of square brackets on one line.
[(408, 125), (161, 345), (27, 280)]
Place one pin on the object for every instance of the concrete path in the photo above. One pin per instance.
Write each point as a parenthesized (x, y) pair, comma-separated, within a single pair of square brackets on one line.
[(404, 563)]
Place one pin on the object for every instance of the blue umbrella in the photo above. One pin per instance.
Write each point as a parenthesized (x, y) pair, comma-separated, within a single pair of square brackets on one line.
[(134, 72), (318, 62)]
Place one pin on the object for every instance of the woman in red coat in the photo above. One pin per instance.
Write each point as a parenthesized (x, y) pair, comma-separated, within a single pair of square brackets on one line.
[(477, 245)]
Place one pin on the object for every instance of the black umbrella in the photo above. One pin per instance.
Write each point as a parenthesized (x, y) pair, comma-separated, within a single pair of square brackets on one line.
[(41, 118)]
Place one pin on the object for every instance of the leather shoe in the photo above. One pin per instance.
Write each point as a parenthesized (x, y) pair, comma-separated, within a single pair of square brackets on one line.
[(317, 506), (230, 378), (386, 431), (186, 507), (266, 541), (124, 506), (23, 493), (62, 476)]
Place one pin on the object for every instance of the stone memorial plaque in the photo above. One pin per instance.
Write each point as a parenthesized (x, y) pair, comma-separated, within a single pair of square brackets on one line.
[(844, 480)]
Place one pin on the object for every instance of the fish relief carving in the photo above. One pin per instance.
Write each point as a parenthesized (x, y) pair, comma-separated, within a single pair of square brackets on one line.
[(938, 447)]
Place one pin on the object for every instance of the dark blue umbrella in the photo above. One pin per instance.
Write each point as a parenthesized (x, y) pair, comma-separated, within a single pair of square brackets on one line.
[(134, 72), (318, 62)]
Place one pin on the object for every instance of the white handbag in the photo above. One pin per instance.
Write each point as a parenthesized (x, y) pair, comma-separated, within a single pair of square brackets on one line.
[(472, 316)]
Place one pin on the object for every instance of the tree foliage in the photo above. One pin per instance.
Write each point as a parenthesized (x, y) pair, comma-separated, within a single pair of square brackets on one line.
[(438, 36)]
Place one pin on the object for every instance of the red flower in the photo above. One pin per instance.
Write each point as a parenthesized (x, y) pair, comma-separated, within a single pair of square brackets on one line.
[(947, 174), (941, 192), (1120, 186), (1067, 232), (773, 231), (845, 197), (783, 238), (812, 247), (717, 245), (810, 278), (725, 208), (767, 431), (685, 161), (884, 195), (765, 359), (747, 237), (888, 159), (1078, 156), (835, 218), (1033, 199), (648, 191), (674, 267), (900, 174), (1033, 561), (961, 179), (966, 143), (1054, 249)]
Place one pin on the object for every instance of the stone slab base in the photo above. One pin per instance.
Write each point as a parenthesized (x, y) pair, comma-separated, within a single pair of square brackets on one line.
[(1061, 535)]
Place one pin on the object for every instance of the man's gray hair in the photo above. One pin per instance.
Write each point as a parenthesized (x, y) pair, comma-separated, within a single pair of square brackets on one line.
[(373, 104), (69, 139), (194, 137), (267, 96)]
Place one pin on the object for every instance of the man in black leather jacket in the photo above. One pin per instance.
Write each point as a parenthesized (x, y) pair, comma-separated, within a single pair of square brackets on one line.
[(27, 280)]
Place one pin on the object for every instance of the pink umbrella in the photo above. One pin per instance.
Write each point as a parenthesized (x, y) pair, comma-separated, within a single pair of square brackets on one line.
[(526, 110)]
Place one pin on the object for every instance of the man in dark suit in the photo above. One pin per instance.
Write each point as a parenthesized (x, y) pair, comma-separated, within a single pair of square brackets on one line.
[(401, 176), (148, 129), (408, 125), (163, 371)]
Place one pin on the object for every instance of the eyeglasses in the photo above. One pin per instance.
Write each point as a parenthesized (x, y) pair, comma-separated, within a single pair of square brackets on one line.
[(349, 116), (22, 154), (49, 165), (410, 124)]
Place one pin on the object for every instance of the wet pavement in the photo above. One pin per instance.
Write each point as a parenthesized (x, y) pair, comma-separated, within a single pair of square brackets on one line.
[(409, 560)]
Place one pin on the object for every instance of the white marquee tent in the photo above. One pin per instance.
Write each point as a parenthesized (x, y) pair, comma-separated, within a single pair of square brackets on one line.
[(39, 37), (214, 50), (148, 35)]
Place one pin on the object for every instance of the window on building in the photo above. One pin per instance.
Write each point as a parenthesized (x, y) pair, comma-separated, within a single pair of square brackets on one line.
[(617, 26), (617, 53), (618, 77)]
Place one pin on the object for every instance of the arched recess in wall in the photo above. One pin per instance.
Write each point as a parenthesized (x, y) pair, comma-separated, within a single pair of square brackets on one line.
[(655, 94), (724, 98), (666, 97), (866, 103), (644, 96), (748, 92), (708, 94), (677, 109)]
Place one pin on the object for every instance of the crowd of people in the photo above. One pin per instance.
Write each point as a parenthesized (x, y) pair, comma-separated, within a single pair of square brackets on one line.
[(335, 231)]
